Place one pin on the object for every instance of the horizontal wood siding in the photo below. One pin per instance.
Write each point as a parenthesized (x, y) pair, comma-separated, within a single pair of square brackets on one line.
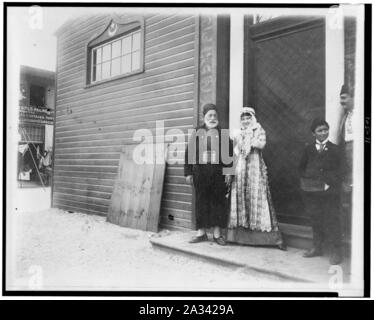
[(94, 123)]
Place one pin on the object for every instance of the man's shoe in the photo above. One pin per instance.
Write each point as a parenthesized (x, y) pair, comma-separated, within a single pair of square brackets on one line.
[(336, 257), (220, 240), (313, 252), (197, 239)]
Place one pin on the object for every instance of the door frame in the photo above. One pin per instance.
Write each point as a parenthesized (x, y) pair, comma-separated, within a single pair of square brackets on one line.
[(274, 28)]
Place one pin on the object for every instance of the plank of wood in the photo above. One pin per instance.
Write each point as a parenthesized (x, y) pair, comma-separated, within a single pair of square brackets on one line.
[(102, 202), (137, 191), (74, 208), (62, 177), (170, 115), (84, 174), (72, 84), (174, 213), (81, 185), (156, 193), (151, 90), (160, 102), (176, 222), (57, 201), (83, 192)]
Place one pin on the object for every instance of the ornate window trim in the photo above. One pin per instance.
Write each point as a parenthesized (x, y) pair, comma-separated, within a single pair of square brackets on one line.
[(262, 18), (116, 29)]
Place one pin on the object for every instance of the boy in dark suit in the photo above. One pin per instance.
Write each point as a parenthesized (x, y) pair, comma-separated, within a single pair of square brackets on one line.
[(320, 180)]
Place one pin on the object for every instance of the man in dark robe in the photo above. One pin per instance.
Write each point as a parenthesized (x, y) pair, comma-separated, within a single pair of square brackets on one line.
[(207, 154)]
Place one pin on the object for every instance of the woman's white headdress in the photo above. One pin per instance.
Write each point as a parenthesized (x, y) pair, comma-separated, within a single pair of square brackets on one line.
[(248, 110)]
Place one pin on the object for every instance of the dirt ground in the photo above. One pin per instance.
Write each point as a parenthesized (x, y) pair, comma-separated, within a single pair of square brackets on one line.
[(56, 250)]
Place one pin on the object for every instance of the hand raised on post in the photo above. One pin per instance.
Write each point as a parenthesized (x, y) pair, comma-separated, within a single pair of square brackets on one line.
[(189, 180)]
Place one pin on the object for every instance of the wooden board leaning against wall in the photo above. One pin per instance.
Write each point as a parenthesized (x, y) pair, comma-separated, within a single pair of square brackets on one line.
[(137, 191)]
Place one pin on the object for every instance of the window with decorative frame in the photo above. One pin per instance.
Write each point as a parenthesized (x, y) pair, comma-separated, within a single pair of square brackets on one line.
[(118, 52)]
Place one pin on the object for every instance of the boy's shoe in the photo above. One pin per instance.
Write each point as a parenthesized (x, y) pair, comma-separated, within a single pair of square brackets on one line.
[(313, 252), (220, 240), (197, 239)]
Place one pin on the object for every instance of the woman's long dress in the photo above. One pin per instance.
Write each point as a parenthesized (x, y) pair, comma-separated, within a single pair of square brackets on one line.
[(252, 215)]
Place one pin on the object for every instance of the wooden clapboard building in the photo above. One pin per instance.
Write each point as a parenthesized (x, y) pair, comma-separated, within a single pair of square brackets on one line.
[(118, 73)]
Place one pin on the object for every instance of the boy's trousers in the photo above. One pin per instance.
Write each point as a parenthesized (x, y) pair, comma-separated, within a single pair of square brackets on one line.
[(323, 208)]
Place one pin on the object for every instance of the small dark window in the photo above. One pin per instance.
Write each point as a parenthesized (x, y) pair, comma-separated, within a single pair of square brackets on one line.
[(31, 133), (37, 96)]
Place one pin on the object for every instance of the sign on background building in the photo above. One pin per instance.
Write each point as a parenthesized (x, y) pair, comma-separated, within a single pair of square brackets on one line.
[(37, 115)]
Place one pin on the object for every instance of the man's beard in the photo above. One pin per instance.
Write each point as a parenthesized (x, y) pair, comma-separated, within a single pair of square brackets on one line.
[(211, 124)]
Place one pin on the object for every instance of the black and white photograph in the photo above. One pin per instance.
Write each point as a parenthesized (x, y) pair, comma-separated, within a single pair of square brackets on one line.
[(181, 148)]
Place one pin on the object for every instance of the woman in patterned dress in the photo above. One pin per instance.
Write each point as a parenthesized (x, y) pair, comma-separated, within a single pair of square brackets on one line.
[(252, 216)]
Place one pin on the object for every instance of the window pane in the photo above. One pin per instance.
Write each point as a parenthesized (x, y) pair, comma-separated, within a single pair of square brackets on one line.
[(105, 72), (106, 52), (116, 49), (126, 63), (94, 57), (116, 67), (98, 53), (94, 73), (136, 41), (135, 60), (98, 72), (126, 45)]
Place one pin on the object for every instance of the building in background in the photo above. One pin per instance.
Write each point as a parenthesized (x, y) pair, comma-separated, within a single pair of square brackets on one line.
[(121, 72), (36, 121)]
